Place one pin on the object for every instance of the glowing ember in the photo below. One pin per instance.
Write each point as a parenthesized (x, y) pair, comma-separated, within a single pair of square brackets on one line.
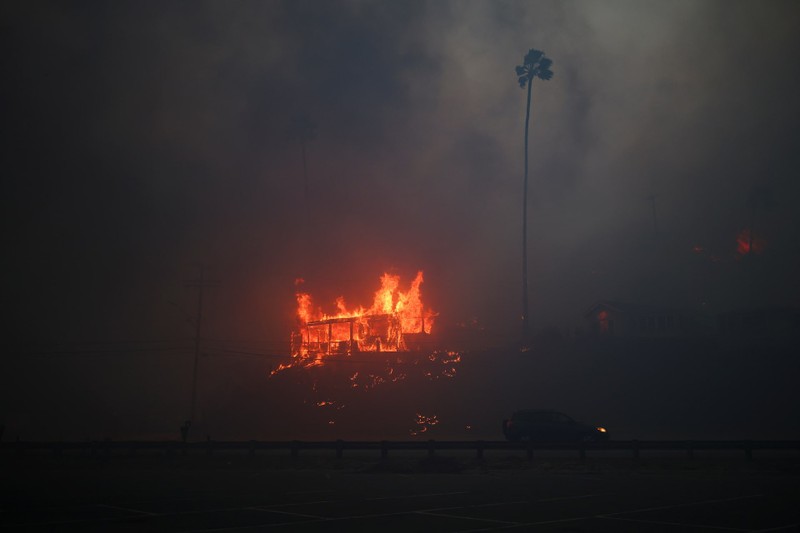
[(445, 364), (424, 423)]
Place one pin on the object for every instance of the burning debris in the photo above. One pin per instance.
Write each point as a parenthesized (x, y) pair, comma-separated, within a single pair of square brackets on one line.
[(354, 350)]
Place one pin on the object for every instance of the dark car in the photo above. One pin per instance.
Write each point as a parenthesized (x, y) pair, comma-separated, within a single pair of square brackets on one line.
[(546, 425)]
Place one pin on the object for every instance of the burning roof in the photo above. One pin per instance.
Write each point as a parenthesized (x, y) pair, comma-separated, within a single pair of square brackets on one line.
[(383, 327)]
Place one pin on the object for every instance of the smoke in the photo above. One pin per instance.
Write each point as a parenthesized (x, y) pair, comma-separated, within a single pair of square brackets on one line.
[(148, 139)]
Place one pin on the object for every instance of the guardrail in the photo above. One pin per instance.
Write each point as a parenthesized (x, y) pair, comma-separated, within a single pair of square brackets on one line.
[(294, 447)]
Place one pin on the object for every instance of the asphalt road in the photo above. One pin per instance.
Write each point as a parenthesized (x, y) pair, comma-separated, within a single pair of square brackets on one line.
[(404, 494)]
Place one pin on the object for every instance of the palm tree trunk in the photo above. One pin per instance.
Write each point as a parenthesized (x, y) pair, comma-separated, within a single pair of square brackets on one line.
[(305, 169), (525, 318)]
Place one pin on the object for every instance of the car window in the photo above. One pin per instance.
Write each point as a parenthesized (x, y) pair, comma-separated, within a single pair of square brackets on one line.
[(531, 416)]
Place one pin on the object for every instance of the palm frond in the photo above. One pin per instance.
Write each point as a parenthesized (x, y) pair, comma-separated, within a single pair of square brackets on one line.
[(535, 65), (533, 56)]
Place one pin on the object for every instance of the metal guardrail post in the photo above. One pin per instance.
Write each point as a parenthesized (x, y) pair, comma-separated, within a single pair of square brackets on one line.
[(384, 450), (339, 448)]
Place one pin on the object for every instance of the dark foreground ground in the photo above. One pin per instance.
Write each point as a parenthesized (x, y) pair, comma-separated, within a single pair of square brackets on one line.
[(407, 492)]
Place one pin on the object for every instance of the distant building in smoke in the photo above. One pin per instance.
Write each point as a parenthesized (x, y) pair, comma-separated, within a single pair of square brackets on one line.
[(634, 321), (759, 322), (616, 319)]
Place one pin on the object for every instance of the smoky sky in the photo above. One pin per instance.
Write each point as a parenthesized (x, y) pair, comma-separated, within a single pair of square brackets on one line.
[(144, 139)]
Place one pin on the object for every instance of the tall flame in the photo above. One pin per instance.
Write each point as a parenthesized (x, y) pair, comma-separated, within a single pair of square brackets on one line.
[(381, 327)]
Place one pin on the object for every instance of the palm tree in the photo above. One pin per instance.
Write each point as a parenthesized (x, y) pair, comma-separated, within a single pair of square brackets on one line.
[(535, 65)]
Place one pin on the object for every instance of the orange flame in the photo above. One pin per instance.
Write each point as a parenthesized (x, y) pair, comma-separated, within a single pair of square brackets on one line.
[(379, 328)]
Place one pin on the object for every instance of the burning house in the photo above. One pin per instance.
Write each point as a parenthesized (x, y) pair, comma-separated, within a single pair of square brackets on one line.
[(397, 321), (346, 356)]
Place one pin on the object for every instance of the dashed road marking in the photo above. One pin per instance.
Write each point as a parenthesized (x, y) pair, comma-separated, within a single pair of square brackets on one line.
[(446, 515), (127, 509), (405, 496), (476, 506), (294, 504), (565, 498), (665, 523), (529, 524), (793, 527), (305, 492), (675, 506), (304, 515)]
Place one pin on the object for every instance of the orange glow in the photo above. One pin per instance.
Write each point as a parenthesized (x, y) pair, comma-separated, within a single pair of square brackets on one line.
[(744, 241), (382, 327), (602, 319)]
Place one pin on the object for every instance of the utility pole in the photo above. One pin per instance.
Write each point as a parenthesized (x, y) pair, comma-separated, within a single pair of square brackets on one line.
[(200, 284)]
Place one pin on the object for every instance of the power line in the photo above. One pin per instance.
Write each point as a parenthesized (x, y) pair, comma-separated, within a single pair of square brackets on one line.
[(124, 351), (121, 341)]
